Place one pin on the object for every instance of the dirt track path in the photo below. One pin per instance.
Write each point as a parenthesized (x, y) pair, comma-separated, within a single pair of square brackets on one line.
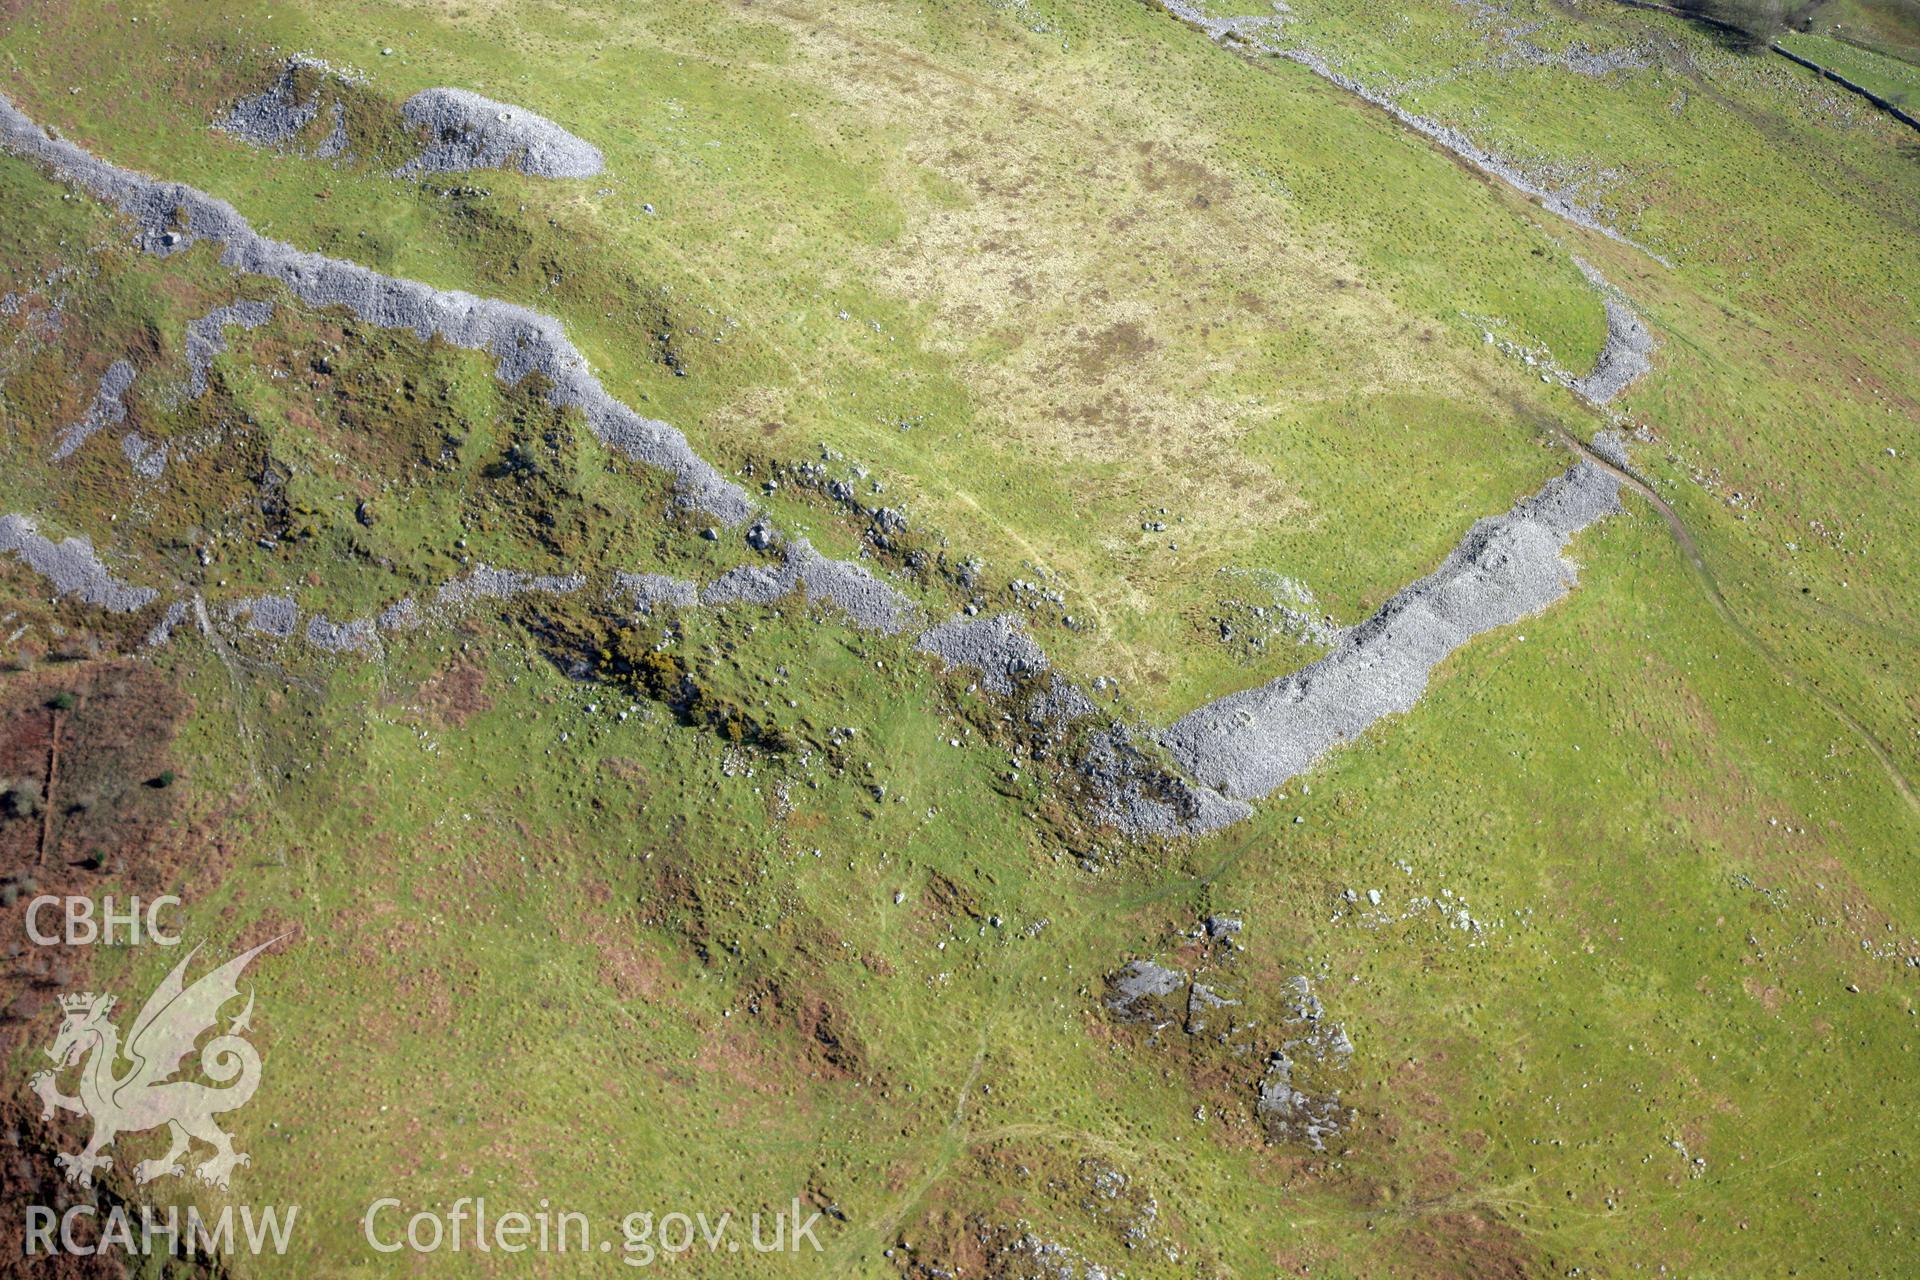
[(1710, 585)]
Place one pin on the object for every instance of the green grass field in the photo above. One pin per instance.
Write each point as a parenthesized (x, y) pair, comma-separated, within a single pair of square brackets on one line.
[(1893, 79)]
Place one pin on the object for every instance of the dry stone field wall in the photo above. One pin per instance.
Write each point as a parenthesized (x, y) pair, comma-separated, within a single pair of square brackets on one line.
[(1263, 34), (1248, 744), (1232, 751), (1628, 353)]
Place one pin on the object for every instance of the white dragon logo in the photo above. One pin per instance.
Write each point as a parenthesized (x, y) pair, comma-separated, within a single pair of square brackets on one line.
[(172, 1020)]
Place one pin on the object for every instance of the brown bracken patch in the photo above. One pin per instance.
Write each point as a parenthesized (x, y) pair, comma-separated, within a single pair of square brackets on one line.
[(91, 808), (1464, 1243), (1115, 346), (823, 1028), (456, 695)]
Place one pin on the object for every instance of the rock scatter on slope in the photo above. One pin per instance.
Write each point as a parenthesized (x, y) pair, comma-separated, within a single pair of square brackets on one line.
[(1142, 991), (1305, 1054), (1289, 1113)]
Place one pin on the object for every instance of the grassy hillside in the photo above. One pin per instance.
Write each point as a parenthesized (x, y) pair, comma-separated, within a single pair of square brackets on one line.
[(711, 909)]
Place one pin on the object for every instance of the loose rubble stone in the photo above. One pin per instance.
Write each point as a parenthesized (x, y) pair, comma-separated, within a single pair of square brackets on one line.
[(72, 567), (340, 637), (648, 590), (1629, 347), (205, 339), (274, 117), (107, 409), (268, 615), (867, 601), (401, 615), (162, 630), (485, 582), (467, 131), (998, 647), (148, 460)]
